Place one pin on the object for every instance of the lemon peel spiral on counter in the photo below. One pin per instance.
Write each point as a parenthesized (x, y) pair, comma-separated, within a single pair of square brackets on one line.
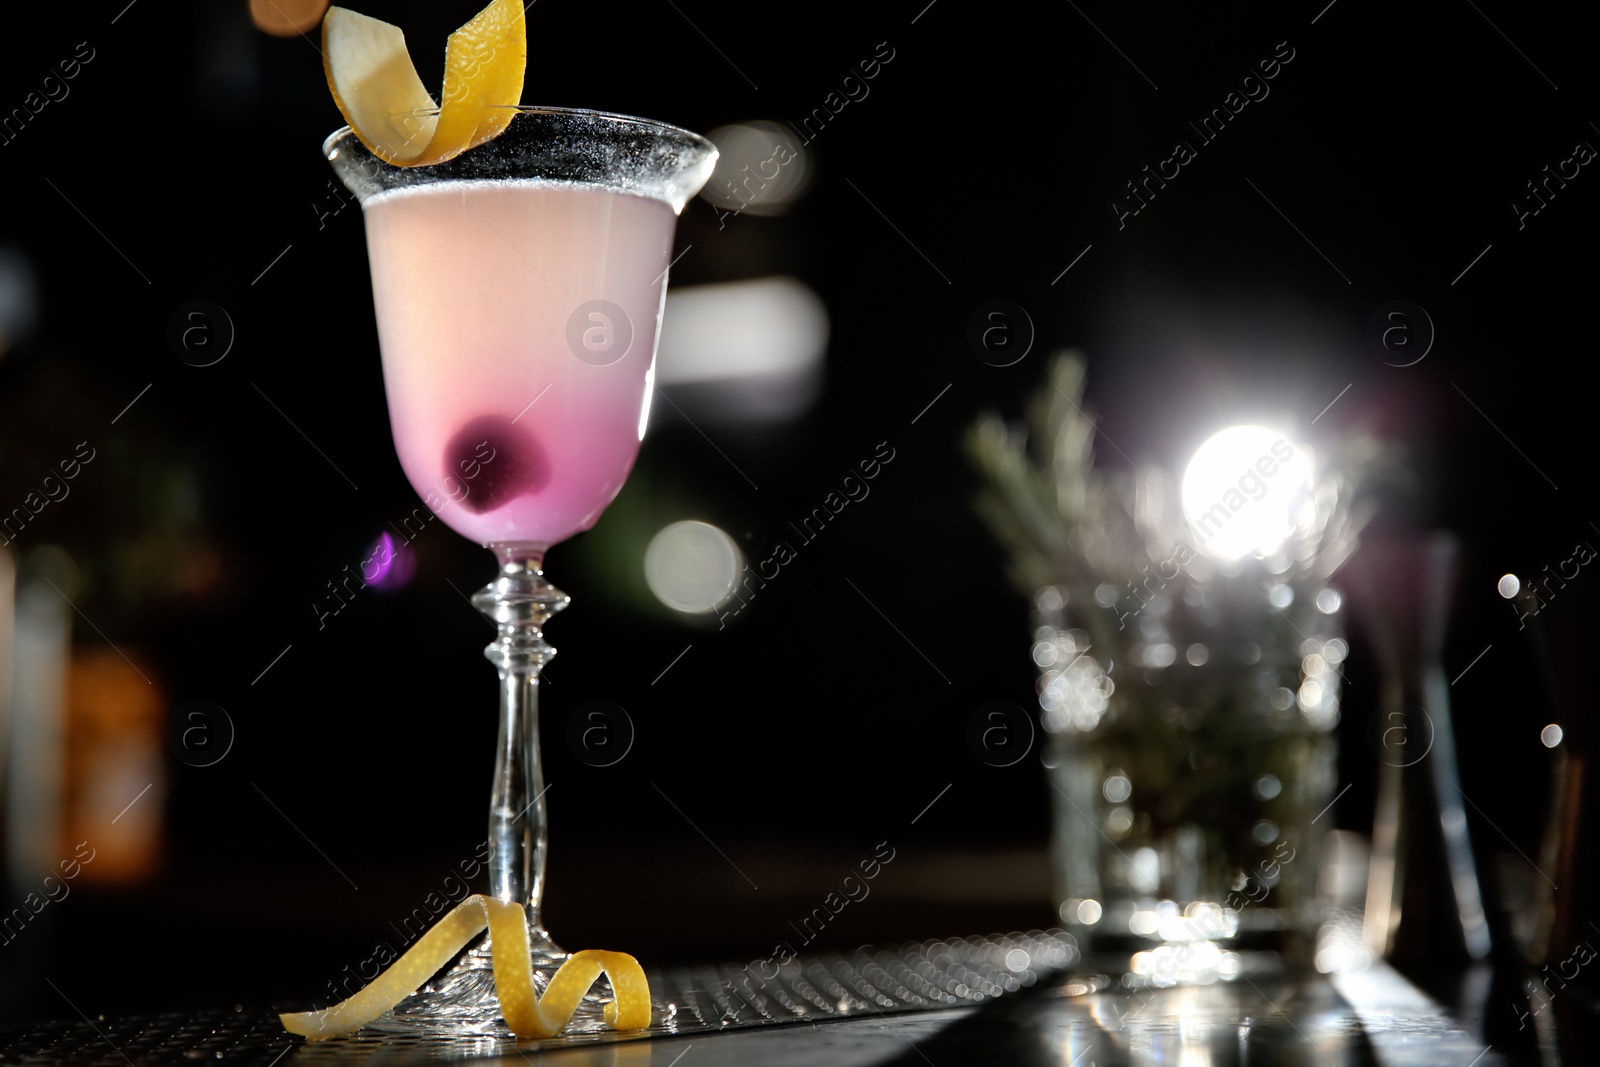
[(525, 1013)]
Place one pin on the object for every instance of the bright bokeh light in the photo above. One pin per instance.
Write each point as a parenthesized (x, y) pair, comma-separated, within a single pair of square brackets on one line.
[(287, 18), (762, 168), (752, 349), (1551, 735), (692, 566), (1340, 947), (1195, 961), (1509, 586), (1246, 490), (387, 566)]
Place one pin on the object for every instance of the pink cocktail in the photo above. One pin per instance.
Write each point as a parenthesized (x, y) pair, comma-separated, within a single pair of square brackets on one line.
[(519, 289), (518, 324)]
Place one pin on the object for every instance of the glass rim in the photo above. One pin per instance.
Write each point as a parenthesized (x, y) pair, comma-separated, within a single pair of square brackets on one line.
[(344, 133)]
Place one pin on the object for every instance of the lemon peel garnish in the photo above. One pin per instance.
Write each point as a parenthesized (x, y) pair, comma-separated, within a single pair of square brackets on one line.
[(380, 95), (525, 1013)]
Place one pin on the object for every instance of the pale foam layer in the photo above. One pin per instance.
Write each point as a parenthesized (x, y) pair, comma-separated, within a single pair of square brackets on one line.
[(478, 185)]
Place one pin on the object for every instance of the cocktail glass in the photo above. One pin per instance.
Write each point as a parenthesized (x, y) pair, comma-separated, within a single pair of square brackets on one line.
[(519, 289)]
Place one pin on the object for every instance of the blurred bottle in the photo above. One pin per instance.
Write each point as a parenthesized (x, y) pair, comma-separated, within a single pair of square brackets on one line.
[(35, 634), (41, 635), (1421, 852), (1561, 638), (83, 765)]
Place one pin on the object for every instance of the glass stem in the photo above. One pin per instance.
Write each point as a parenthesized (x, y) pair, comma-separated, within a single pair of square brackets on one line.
[(519, 602)]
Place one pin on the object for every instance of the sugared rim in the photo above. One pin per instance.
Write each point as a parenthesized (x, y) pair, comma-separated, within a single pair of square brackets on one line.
[(337, 137)]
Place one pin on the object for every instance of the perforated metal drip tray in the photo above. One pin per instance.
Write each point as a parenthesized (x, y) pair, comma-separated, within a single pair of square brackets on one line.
[(872, 981)]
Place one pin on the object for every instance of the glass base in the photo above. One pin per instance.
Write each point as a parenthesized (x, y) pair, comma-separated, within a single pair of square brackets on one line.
[(1174, 948), (461, 1000)]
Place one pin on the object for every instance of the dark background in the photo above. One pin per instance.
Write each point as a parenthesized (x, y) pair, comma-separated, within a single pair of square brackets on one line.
[(186, 158)]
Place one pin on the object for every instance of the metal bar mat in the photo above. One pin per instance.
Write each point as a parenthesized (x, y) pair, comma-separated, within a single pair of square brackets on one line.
[(919, 976)]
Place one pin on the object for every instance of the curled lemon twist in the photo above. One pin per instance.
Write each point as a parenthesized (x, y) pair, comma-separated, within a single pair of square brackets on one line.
[(380, 95), (525, 1013)]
